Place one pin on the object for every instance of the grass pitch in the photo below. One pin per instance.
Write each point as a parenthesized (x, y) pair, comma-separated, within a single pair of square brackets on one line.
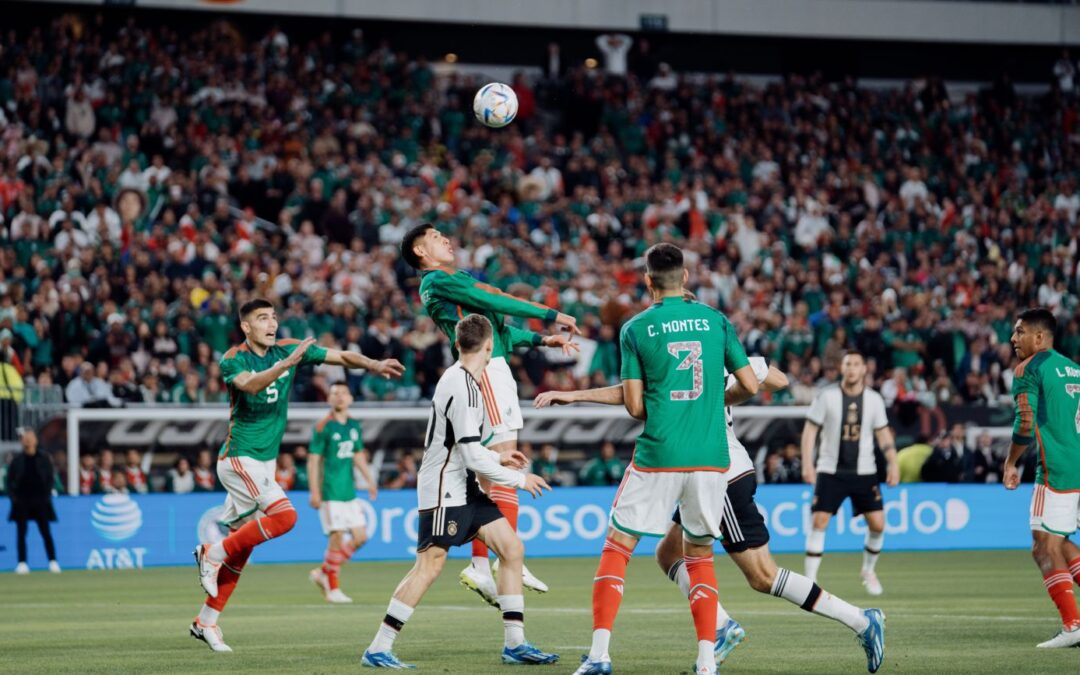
[(951, 612)]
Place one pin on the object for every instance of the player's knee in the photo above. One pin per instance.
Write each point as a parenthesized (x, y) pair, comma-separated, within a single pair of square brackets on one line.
[(284, 521), (512, 550), (359, 537)]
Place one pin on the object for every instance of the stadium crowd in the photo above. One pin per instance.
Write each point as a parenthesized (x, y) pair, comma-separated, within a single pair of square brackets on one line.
[(150, 182)]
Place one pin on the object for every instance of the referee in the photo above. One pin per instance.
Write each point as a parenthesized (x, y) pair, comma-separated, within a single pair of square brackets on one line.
[(849, 416)]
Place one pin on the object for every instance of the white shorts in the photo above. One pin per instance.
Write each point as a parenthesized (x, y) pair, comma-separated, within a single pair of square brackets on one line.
[(250, 486), (341, 516), (646, 499), (500, 394), (1055, 512)]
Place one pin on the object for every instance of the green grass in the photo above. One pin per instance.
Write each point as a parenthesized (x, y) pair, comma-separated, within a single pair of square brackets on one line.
[(947, 613)]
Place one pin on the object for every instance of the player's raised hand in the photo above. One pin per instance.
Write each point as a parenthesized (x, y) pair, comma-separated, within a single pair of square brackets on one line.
[(388, 368), (564, 341), (513, 459), (535, 485), (809, 475), (549, 398), (298, 353), (568, 321), (1010, 476)]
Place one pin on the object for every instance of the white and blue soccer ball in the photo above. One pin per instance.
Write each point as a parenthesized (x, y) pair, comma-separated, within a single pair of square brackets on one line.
[(495, 105)]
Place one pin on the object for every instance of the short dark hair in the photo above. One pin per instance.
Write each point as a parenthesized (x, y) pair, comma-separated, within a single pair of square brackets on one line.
[(471, 332), (252, 305), (340, 383), (664, 265), (1040, 318), (409, 241), (853, 352)]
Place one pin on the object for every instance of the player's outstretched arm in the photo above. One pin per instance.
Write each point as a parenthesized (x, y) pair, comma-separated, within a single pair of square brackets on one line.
[(486, 464), (462, 290), (253, 383), (612, 395), (387, 368), (773, 379)]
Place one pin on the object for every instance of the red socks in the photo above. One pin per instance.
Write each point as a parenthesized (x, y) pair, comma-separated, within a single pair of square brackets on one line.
[(1059, 585), (703, 596), (227, 578), (608, 585), (506, 499), (280, 518), (333, 561), (1074, 569)]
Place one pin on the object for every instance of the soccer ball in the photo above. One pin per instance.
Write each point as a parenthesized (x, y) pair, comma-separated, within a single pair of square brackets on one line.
[(495, 105)]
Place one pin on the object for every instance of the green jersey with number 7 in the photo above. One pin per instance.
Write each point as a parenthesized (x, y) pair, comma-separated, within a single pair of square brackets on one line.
[(1046, 388), (257, 421), (680, 349)]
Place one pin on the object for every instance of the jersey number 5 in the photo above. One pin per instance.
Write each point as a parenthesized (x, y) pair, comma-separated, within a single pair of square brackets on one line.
[(272, 393), (693, 363)]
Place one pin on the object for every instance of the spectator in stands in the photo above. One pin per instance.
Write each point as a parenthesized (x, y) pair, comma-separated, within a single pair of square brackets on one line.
[(29, 484), (135, 472), (404, 476), (119, 484), (546, 465), (980, 463), (614, 47), (784, 466), (607, 469), (946, 462), (88, 390), (105, 471), (285, 475), (88, 477), (300, 455), (205, 472), (180, 479)]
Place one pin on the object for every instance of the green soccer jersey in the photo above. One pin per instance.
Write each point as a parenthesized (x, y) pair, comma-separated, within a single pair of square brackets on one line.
[(1046, 388), (680, 350), (257, 421), (337, 442), (451, 295)]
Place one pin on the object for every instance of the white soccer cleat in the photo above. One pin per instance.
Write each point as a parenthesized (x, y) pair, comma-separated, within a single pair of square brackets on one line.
[(54, 567), (208, 570), (211, 635), (528, 580), (337, 597), (321, 581), (870, 581), (22, 568), (481, 584), (1066, 638)]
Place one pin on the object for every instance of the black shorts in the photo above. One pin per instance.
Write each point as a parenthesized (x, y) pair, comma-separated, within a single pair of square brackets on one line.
[(831, 490), (455, 525), (742, 526)]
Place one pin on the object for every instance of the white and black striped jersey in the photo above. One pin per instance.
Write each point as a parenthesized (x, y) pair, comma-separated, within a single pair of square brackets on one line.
[(453, 445), (847, 426), (740, 458)]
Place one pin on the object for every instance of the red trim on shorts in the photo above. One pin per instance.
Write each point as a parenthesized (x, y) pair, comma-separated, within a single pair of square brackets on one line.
[(239, 469)]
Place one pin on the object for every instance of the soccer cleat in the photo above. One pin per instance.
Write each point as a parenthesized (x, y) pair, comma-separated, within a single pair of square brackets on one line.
[(384, 660), (1068, 637), (873, 639), (481, 584), (208, 570), (337, 597), (705, 669), (870, 581), (321, 581), (528, 580), (211, 635), (601, 666), (22, 568), (728, 637), (54, 567), (527, 655)]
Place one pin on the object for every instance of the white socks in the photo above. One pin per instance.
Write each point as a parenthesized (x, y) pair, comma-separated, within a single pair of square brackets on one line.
[(513, 611), (872, 549), (208, 616), (481, 564), (705, 654), (601, 638), (798, 590), (680, 576), (396, 616), (815, 546)]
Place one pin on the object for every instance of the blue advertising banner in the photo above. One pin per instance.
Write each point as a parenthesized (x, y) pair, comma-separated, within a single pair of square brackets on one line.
[(124, 532)]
